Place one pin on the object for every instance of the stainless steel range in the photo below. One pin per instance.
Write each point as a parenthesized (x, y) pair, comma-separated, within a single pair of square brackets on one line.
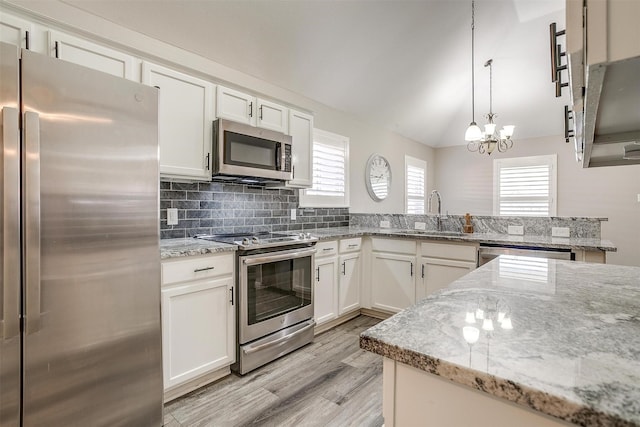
[(275, 294)]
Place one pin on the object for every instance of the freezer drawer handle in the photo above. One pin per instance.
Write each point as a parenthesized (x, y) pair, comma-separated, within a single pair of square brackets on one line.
[(31, 131), (10, 323), (280, 340)]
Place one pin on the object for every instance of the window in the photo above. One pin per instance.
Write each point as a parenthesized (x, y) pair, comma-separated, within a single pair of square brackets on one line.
[(330, 172), (415, 180), (525, 186)]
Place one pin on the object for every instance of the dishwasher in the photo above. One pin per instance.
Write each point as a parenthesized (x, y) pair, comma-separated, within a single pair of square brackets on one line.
[(487, 252)]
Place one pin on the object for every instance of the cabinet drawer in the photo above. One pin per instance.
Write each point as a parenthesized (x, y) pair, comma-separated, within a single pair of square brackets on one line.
[(350, 245), (194, 268), (449, 251), (326, 248), (392, 245)]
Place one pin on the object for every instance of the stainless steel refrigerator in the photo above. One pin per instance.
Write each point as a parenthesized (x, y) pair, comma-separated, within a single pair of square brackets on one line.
[(80, 338)]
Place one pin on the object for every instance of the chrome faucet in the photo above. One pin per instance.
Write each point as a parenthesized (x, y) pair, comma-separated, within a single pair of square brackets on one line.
[(438, 219)]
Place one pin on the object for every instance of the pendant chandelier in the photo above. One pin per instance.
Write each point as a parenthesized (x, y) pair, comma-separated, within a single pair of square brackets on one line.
[(489, 140)]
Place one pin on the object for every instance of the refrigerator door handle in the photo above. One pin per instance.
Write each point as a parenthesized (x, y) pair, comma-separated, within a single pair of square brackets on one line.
[(10, 323), (31, 131)]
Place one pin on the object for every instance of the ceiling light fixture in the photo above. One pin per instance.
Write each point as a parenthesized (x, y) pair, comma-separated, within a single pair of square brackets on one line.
[(473, 132), (489, 140)]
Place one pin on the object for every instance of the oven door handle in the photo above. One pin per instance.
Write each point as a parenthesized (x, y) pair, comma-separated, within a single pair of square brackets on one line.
[(280, 340), (277, 256)]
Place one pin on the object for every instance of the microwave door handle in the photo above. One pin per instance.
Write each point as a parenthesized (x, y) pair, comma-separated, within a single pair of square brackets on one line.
[(279, 152)]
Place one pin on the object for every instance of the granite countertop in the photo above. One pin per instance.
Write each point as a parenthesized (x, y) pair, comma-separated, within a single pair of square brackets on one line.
[(492, 238), (573, 351), (173, 248)]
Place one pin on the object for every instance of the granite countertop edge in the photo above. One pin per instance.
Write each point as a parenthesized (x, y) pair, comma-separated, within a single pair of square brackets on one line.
[(324, 234), (184, 247), (536, 400)]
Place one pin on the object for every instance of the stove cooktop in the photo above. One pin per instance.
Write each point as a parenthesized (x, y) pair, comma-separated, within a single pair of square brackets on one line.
[(260, 240)]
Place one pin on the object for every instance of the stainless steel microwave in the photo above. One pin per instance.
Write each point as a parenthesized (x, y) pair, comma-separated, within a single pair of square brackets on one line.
[(246, 151)]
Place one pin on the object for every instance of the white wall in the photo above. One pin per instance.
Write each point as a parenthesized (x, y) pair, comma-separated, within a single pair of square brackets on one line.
[(465, 181), (365, 138)]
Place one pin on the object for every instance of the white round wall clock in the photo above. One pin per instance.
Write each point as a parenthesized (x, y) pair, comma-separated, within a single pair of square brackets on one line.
[(378, 177)]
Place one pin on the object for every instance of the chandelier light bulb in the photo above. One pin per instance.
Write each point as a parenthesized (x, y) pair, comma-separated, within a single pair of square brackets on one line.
[(487, 325), (489, 129), (508, 130), (506, 323), (473, 132), (471, 334), (470, 318), (479, 313)]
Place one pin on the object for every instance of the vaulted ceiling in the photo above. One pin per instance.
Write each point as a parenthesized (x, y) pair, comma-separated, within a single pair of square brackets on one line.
[(405, 65)]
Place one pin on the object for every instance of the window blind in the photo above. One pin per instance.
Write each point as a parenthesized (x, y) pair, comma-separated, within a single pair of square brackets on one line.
[(525, 186), (524, 191), (415, 190), (328, 170), (415, 177)]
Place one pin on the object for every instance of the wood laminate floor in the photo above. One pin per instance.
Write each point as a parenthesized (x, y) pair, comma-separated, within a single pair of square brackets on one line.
[(331, 382)]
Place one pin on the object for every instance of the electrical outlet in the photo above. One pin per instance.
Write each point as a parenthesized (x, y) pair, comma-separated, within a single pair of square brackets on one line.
[(638, 197), (559, 231), (293, 214), (172, 216), (516, 229), (385, 224), (420, 225)]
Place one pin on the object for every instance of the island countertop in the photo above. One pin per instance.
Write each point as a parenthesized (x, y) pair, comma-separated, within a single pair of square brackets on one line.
[(573, 351)]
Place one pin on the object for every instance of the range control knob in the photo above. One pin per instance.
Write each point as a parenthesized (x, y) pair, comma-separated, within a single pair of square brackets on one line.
[(255, 240), (246, 241)]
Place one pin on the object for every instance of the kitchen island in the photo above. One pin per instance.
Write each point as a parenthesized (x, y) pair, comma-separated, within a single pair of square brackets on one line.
[(564, 348)]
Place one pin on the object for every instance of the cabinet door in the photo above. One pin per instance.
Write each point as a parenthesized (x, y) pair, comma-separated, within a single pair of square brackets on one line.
[(14, 30), (301, 130), (325, 292), (91, 55), (185, 122), (440, 273), (198, 329), (272, 116), (349, 284), (235, 105), (392, 281)]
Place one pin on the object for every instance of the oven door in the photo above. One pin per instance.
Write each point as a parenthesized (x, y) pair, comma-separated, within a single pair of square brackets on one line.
[(275, 291)]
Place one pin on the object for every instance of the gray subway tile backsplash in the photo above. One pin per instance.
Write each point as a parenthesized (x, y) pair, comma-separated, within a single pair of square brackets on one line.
[(215, 207)]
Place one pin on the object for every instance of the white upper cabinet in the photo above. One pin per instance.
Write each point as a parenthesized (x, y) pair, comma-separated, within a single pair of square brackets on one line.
[(91, 55), (301, 131), (14, 30), (272, 116), (185, 122), (235, 105), (245, 108)]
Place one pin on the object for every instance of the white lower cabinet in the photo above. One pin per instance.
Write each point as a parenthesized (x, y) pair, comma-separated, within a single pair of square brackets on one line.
[(198, 318), (392, 281), (443, 263), (325, 295), (440, 273), (338, 279), (349, 283)]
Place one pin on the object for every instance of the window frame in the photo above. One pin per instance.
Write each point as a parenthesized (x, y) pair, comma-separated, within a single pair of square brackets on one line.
[(550, 160), (418, 163), (318, 201)]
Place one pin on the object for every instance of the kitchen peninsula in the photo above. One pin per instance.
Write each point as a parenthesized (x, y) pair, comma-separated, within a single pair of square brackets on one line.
[(545, 343)]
